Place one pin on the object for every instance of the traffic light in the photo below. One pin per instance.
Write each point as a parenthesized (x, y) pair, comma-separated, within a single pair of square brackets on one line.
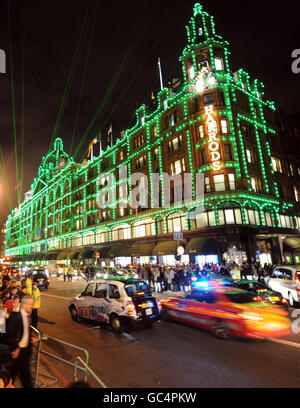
[(178, 257)]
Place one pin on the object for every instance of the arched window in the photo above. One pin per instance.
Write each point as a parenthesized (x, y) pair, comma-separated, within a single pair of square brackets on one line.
[(76, 241), (88, 239), (203, 219), (252, 214), (121, 232), (102, 236), (286, 220), (269, 217), (143, 228), (230, 214), (176, 222)]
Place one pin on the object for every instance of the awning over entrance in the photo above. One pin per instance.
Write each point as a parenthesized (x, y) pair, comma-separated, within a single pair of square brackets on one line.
[(50, 256), (202, 246), (119, 251), (86, 254), (103, 252), (27, 258), (292, 243), (72, 255), (62, 255), (141, 250), (165, 248), (37, 257), (17, 258)]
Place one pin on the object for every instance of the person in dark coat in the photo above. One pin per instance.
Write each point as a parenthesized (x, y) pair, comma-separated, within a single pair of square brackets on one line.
[(17, 336), (224, 271)]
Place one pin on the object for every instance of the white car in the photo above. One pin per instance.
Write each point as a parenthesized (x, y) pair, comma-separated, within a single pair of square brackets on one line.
[(286, 280), (118, 302)]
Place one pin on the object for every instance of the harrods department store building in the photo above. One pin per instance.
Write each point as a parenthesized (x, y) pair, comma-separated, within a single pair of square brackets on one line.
[(211, 121)]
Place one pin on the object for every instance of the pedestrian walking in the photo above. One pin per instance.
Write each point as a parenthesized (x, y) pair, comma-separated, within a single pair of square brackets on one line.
[(147, 274), (156, 277), (28, 283), (186, 282), (17, 336), (36, 295), (171, 279), (70, 274)]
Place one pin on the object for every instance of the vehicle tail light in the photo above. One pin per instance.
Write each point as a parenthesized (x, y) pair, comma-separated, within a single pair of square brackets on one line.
[(284, 301), (130, 307), (159, 304), (274, 299), (297, 280)]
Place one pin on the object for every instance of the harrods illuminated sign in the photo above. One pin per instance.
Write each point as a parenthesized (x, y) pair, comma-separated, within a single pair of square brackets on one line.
[(212, 131)]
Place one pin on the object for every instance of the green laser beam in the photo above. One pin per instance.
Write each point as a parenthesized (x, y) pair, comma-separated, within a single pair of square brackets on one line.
[(74, 64), (115, 78), (108, 117), (84, 76), (13, 97)]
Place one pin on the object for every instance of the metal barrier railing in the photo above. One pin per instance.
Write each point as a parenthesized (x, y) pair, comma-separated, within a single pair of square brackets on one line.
[(90, 371), (37, 361), (85, 369), (69, 345)]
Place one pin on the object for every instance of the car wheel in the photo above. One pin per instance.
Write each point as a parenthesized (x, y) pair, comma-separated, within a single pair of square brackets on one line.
[(220, 330), (291, 300), (74, 314), (115, 324)]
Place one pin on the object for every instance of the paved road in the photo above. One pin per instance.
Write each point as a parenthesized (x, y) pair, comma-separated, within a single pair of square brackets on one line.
[(167, 355)]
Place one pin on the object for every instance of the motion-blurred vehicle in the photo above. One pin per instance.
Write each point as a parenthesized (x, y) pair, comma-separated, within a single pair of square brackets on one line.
[(228, 311), (286, 280), (263, 293), (119, 302), (41, 278)]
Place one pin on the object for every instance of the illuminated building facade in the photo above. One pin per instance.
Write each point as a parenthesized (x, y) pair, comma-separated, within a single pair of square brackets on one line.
[(211, 122), (2, 241)]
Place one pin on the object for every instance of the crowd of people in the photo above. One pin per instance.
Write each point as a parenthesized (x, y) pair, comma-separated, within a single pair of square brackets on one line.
[(179, 278), (19, 305)]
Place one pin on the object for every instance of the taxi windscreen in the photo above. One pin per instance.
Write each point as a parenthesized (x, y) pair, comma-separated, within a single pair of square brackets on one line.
[(240, 297), (136, 288)]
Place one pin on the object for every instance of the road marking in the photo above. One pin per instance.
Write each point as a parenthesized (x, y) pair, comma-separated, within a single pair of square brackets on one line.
[(60, 297), (285, 342)]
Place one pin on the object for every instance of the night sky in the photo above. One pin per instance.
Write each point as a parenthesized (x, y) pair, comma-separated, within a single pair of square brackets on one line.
[(116, 68)]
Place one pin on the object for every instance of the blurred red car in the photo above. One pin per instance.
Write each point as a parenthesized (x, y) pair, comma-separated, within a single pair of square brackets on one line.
[(228, 312)]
